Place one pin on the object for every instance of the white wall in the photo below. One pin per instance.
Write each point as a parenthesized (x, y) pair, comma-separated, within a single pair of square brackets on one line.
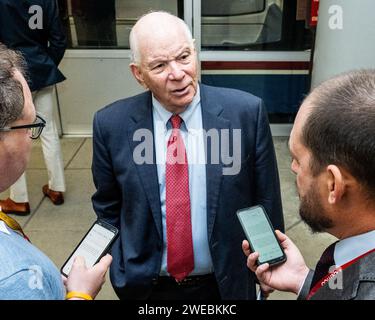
[(345, 38), (94, 79)]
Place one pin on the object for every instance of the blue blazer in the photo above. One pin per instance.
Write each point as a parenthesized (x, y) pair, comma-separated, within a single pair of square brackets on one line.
[(127, 194), (43, 48)]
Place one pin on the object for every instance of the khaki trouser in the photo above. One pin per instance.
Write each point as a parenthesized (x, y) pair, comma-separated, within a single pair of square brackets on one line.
[(43, 101)]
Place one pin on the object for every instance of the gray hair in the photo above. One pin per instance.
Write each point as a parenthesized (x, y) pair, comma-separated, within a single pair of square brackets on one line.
[(133, 39), (11, 91)]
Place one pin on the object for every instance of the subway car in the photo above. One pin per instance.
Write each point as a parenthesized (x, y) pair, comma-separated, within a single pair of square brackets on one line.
[(259, 46)]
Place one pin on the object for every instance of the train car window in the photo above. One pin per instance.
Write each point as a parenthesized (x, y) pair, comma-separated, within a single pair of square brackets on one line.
[(210, 8), (253, 25), (106, 24)]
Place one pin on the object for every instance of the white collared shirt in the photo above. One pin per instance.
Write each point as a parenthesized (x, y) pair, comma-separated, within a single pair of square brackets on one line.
[(4, 228), (351, 248)]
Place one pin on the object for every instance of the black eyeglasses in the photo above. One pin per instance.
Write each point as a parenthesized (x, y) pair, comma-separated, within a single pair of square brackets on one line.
[(36, 127)]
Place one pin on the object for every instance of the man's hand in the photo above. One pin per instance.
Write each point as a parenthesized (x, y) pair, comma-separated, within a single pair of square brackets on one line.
[(288, 276), (87, 280)]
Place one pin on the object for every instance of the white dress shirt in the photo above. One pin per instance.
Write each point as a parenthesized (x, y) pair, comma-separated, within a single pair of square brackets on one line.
[(351, 248)]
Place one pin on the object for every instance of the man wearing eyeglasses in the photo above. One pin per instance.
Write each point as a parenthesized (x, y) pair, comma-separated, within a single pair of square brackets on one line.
[(25, 272), (36, 127), (43, 46)]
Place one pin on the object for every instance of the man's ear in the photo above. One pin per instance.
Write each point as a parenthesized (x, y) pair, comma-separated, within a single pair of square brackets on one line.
[(135, 69), (335, 183)]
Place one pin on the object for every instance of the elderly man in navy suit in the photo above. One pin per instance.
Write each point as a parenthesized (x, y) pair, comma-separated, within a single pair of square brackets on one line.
[(34, 29), (173, 165)]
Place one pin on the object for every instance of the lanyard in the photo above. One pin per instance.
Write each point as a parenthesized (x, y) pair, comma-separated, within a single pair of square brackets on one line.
[(12, 224), (332, 274)]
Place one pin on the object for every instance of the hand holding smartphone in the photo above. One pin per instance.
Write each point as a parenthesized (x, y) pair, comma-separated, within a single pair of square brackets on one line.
[(94, 245), (261, 235)]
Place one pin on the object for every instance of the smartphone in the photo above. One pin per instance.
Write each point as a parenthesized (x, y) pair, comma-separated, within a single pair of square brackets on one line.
[(261, 235), (94, 245)]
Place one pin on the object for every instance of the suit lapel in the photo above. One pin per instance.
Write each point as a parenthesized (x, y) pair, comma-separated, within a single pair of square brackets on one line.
[(143, 120), (211, 110)]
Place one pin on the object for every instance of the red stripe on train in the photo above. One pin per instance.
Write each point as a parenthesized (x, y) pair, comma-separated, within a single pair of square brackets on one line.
[(255, 65)]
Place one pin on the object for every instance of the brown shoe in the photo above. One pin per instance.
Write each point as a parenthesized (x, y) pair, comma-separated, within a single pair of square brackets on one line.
[(18, 208), (56, 197)]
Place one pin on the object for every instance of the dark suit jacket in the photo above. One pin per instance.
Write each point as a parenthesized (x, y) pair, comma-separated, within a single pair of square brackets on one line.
[(358, 283), (127, 194), (42, 58)]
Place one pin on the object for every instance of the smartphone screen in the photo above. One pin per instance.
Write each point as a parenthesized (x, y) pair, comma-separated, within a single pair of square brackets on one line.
[(93, 246), (261, 235)]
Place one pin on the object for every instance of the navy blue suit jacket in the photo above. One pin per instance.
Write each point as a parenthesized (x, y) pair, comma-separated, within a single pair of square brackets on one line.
[(127, 194), (43, 48)]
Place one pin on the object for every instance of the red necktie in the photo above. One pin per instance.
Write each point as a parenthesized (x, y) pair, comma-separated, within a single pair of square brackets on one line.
[(180, 256)]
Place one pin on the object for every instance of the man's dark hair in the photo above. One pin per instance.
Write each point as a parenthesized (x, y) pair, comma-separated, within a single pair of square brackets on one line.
[(11, 93), (340, 129)]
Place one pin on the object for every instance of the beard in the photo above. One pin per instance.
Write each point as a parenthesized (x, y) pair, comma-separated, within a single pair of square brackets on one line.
[(313, 213)]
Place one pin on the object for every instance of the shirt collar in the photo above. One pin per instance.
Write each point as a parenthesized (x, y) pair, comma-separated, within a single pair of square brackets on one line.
[(3, 228), (165, 115), (350, 248)]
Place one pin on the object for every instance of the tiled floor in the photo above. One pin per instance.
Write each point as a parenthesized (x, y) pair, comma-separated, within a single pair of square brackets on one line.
[(57, 229)]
